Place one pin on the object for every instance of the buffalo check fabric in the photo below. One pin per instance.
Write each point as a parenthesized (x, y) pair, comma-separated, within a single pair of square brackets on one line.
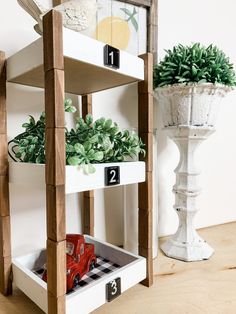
[(102, 267)]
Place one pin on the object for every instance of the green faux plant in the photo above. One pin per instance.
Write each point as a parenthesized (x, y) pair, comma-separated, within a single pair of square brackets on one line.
[(89, 142), (194, 64)]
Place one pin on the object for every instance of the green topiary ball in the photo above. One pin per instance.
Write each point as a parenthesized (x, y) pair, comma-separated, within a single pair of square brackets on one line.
[(194, 64)]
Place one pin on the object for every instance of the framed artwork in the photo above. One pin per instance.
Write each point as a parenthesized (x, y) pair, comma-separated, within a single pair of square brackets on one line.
[(127, 25), (121, 25)]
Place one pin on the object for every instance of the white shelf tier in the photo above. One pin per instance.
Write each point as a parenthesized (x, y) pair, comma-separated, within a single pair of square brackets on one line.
[(33, 175), (84, 68), (90, 297)]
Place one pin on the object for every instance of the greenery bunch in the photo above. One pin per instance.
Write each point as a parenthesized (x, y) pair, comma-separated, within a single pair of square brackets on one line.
[(194, 64), (89, 142)]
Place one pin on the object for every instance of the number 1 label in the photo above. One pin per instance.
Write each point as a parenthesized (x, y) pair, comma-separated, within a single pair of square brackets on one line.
[(111, 57)]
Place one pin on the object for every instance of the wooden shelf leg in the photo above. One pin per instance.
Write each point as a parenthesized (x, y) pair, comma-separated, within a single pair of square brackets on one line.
[(145, 199), (5, 225), (88, 196), (152, 33), (55, 162)]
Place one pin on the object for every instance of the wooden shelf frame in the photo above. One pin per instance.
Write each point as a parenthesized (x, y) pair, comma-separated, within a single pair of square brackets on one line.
[(88, 196), (145, 191), (5, 231), (152, 27), (55, 163), (152, 24)]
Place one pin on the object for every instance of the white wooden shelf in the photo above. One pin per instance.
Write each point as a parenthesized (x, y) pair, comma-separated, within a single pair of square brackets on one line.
[(84, 68), (132, 270), (76, 180), (84, 74)]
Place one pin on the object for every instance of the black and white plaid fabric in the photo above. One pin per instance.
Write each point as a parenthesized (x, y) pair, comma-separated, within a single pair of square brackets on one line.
[(102, 267)]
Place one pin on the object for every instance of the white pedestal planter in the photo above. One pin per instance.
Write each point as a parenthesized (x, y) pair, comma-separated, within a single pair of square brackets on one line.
[(186, 243), (189, 115)]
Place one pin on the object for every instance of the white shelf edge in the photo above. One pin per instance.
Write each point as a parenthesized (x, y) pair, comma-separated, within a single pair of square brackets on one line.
[(33, 175), (130, 65)]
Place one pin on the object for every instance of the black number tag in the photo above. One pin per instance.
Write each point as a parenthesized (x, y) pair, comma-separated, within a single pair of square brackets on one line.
[(113, 289), (112, 175), (111, 57)]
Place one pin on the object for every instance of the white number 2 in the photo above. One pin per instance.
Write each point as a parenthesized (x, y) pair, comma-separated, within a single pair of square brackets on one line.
[(113, 174), (114, 287), (111, 54)]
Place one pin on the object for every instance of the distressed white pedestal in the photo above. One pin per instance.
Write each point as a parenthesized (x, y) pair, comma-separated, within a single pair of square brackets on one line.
[(186, 244), (189, 114)]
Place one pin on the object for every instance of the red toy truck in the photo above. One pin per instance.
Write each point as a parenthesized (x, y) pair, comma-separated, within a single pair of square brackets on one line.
[(80, 259)]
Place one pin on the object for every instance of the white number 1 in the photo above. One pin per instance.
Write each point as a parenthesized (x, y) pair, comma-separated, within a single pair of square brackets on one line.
[(111, 54)]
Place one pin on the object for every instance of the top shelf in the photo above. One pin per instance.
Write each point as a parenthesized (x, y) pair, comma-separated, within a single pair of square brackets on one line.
[(84, 68)]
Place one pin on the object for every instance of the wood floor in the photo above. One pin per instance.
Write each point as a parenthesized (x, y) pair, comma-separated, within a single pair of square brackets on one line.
[(207, 287)]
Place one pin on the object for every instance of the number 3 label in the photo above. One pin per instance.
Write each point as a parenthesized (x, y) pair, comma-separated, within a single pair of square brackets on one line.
[(113, 289), (112, 175)]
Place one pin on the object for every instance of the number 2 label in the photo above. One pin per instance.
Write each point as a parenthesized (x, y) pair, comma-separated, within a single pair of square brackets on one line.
[(112, 175)]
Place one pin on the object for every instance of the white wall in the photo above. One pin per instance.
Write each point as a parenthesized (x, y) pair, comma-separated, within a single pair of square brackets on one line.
[(28, 205), (205, 21)]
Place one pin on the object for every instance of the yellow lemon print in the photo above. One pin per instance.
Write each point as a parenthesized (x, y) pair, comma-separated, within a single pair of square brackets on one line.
[(115, 31)]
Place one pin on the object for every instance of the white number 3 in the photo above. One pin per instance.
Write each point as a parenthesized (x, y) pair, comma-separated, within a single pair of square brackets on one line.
[(114, 287)]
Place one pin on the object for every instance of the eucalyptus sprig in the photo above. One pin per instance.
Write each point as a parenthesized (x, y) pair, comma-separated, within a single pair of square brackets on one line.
[(89, 142), (194, 64), (100, 142), (29, 146)]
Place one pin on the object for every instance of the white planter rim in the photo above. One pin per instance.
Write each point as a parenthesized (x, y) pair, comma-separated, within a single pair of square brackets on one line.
[(193, 104), (190, 127), (195, 86)]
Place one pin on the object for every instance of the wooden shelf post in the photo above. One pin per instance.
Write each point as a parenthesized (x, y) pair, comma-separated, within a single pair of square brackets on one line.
[(152, 24), (55, 161), (58, 2), (145, 198), (5, 231), (88, 196)]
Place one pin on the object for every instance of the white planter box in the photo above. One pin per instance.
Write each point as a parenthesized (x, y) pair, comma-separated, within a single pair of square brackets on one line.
[(76, 180), (90, 297)]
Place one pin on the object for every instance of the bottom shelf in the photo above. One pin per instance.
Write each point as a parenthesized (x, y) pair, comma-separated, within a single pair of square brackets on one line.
[(113, 263)]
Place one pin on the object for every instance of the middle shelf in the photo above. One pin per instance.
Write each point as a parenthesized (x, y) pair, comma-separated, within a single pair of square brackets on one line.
[(77, 180)]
